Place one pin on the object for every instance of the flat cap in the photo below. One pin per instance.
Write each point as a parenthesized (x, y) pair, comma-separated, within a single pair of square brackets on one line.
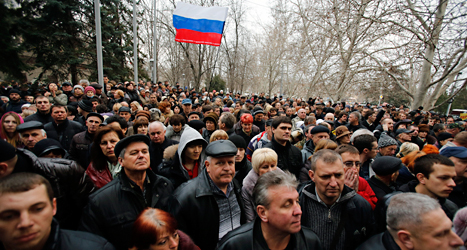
[(96, 86), (386, 165), (124, 109), (96, 115), (319, 129), (29, 125), (402, 131), (221, 148), (458, 152), (44, 146), (123, 143), (196, 124)]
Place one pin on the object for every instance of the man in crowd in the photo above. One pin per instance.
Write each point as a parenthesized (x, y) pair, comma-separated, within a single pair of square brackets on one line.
[(27, 207), (386, 170), (212, 199), (31, 133), (15, 102), (159, 142), (416, 222), (43, 111), (458, 155), (112, 210), (301, 115), (387, 146), (260, 140), (314, 135), (62, 129), (79, 148), (340, 217), (289, 156), (354, 122), (278, 223), (367, 146), (227, 122)]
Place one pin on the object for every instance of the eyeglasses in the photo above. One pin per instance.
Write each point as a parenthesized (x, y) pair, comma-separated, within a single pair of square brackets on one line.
[(350, 164)]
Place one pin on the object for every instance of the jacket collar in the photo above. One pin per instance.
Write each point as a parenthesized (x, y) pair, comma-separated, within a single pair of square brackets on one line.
[(310, 191), (203, 185)]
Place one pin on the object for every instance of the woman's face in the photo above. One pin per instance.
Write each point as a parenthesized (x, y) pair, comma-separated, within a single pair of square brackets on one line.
[(167, 110), (90, 93), (177, 110), (143, 130), (210, 126), (53, 87), (116, 96), (133, 107), (9, 123), (177, 127), (422, 134), (108, 143), (108, 87), (78, 92), (266, 167), (166, 241)]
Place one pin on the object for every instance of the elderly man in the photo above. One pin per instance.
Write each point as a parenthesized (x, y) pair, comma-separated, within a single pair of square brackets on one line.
[(112, 210), (354, 122), (315, 135), (27, 207), (31, 133), (301, 115), (416, 222), (159, 142), (340, 217), (387, 146), (43, 111), (79, 148), (278, 223), (210, 205)]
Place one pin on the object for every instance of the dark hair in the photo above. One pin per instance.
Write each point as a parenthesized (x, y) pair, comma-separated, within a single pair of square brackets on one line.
[(424, 164), (23, 182), (101, 108), (369, 113), (149, 225), (342, 113), (119, 119), (177, 119), (98, 160), (58, 106), (346, 148), (437, 127), (364, 141), (280, 119), (206, 108), (228, 119), (140, 121)]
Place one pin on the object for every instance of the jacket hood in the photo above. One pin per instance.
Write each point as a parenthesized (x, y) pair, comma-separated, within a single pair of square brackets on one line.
[(189, 135)]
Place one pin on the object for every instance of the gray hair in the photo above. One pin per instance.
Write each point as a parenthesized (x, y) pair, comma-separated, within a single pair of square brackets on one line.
[(362, 131), (83, 81), (325, 155), (272, 179), (122, 153), (356, 114), (160, 124), (42, 130), (407, 209)]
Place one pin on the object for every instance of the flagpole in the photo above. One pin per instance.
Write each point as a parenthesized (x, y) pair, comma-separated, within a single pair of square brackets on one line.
[(100, 70), (135, 44), (154, 68)]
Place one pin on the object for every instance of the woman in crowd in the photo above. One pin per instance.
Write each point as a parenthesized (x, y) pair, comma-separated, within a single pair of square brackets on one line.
[(135, 107), (167, 112), (156, 229), (177, 109), (262, 161), (9, 122), (211, 125), (140, 126), (104, 165), (175, 129), (219, 135), (56, 96)]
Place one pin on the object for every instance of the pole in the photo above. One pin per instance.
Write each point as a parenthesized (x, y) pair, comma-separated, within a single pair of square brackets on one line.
[(100, 68), (282, 73), (154, 68), (135, 44)]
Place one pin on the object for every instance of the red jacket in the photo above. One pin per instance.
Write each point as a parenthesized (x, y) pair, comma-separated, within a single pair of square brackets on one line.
[(102, 177), (366, 192)]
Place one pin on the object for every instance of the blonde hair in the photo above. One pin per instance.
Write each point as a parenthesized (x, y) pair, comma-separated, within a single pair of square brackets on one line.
[(116, 107), (261, 156), (120, 93), (325, 144), (219, 135), (406, 148)]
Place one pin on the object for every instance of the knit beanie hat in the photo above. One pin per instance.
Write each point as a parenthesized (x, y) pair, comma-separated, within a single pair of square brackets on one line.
[(85, 105), (211, 116), (143, 113), (238, 141), (386, 140), (89, 88), (78, 86)]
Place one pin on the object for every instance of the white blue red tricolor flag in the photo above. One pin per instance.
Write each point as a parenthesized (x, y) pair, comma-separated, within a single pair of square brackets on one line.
[(200, 25)]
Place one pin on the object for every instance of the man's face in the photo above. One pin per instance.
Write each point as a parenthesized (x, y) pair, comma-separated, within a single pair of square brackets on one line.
[(59, 114), (25, 218), (240, 155), (153, 98), (31, 137), (351, 162), (247, 126), (15, 97), (259, 117), (30, 99), (353, 118), (390, 124), (453, 131), (136, 157), (405, 137), (284, 212), (192, 152), (415, 130), (448, 121), (93, 123), (388, 151), (289, 112), (221, 170), (441, 181), (374, 150), (106, 79), (372, 118), (460, 166), (186, 108), (329, 180), (43, 105), (67, 88), (435, 232), (302, 114), (94, 105), (130, 87), (282, 132), (193, 117), (157, 133), (125, 115), (319, 136)]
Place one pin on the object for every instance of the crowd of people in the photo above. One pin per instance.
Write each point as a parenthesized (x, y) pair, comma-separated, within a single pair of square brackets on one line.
[(158, 166)]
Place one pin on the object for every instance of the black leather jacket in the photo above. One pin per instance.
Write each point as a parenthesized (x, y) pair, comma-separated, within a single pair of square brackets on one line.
[(289, 157), (249, 236), (63, 132), (69, 182), (113, 209), (195, 208), (382, 241)]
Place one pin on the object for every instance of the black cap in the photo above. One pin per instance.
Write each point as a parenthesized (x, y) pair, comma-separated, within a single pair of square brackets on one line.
[(96, 86), (269, 122), (221, 148), (124, 109), (238, 141), (7, 152), (403, 131), (15, 91), (29, 125), (123, 143), (96, 115), (386, 165), (444, 136), (196, 124), (319, 129), (44, 146), (67, 84)]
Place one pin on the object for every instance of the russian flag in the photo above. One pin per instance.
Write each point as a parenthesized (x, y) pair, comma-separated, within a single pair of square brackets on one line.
[(200, 25)]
